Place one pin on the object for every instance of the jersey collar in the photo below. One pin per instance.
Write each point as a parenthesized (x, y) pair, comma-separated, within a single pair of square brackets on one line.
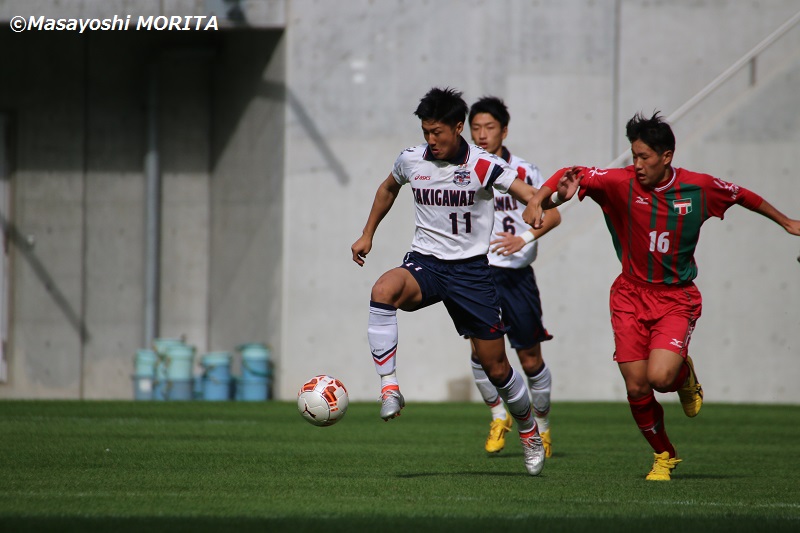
[(506, 155), (461, 157), (669, 183)]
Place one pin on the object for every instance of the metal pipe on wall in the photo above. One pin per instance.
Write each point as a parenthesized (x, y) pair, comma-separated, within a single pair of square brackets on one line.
[(153, 213)]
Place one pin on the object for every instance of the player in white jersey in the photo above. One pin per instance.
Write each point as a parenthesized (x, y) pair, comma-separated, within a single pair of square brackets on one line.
[(452, 183), (510, 259)]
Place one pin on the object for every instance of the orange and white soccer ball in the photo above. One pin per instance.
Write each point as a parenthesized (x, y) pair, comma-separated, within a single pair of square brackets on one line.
[(322, 400)]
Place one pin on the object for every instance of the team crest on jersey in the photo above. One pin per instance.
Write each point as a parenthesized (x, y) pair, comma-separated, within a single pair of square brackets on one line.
[(461, 177), (682, 206)]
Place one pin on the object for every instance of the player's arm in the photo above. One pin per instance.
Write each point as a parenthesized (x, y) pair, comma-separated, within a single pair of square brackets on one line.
[(768, 210), (508, 243), (521, 191), (384, 199), (559, 188)]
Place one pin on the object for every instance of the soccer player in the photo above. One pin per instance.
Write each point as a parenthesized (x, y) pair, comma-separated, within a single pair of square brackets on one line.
[(654, 212), (451, 182), (510, 263)]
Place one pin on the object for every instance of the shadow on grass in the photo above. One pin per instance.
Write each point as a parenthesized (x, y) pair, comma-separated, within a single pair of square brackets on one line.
[(332, 524), (470, 473)]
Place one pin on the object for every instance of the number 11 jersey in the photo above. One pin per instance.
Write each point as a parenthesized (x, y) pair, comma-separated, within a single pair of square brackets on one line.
[(453, 199)]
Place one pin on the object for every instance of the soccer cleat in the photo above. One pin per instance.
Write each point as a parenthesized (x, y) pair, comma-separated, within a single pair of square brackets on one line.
[(662, 467), (533, 452), (691, 393), (496, 440), (391, 404), (547, 443)]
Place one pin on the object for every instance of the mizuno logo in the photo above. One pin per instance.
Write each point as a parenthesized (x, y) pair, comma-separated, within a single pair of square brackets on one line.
[(733, 189), (597, 172)]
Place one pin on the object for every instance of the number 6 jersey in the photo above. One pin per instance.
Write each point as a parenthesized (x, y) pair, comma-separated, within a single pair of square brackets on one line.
[(453, 198)]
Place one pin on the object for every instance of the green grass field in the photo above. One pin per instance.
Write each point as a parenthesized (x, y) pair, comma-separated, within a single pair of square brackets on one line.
[(204, 466)]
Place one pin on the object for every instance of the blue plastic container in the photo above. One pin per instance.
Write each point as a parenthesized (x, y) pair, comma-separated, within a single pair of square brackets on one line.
[(142, 387), (144, 370), (174, 371), (256, 373), (145, 363), (162, 345), (179, 362), (174, 390), (216, 376)]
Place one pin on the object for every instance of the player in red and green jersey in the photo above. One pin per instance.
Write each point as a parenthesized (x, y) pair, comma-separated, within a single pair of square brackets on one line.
[(654, 212)]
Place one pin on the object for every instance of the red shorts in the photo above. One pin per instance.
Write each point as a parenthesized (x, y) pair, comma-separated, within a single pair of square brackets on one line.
[(646, 317)]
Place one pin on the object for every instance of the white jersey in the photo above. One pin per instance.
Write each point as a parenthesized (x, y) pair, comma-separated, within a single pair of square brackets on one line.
[(454, 200), (508, 214)]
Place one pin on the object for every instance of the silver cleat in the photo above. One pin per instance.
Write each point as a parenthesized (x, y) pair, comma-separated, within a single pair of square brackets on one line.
[(391, 404), (533, 450)]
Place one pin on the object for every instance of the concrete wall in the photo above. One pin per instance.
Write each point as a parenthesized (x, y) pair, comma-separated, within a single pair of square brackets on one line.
[(77, 105), (572, 73), (247, 197), (275, 136)]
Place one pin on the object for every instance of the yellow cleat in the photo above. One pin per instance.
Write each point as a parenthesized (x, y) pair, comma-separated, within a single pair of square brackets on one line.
[(662, 467), (547, 443), (691, 393), (496, 440)]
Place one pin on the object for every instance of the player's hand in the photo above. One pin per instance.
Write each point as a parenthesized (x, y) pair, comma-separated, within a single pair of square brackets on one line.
[(360, 249), (568, 184), (533, 214), (507, 244), (793, 227)]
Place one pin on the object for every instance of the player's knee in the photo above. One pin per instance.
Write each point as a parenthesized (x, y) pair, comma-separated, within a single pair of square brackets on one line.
[(661, 383), (637, 390), (497, 371), (385, 291), (531, 360)]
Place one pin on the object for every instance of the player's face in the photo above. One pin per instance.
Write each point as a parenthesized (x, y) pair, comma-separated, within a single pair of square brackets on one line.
[(488, 133), (651, 168), (442, 139)]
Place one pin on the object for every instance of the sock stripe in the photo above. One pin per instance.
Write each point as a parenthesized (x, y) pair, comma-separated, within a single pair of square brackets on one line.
[(382, 358), (385, 307), (522, 417)]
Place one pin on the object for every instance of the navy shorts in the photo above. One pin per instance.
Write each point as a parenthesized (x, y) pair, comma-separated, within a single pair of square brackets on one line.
[(465, 287), (522, 307)]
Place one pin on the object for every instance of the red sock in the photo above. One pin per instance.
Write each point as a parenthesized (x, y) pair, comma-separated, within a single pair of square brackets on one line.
[(649, 416), (683, 373)]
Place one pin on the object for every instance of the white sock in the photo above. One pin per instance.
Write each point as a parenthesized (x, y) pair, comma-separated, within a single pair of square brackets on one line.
[(488, 392), (540, 386), (515, 394), (389, 381), (382, 335)]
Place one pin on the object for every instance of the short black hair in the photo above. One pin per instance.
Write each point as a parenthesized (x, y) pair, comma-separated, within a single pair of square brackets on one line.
[(492, 105), (442, 105), (653, 131)]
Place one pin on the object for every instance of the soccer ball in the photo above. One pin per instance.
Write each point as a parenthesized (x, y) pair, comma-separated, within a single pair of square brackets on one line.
[(322, 400)]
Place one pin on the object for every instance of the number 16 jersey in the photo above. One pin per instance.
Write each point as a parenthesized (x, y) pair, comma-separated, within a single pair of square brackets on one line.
[(655, 231)]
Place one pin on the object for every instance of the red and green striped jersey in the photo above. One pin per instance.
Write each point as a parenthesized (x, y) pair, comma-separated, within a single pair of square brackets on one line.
[(655, 231)]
